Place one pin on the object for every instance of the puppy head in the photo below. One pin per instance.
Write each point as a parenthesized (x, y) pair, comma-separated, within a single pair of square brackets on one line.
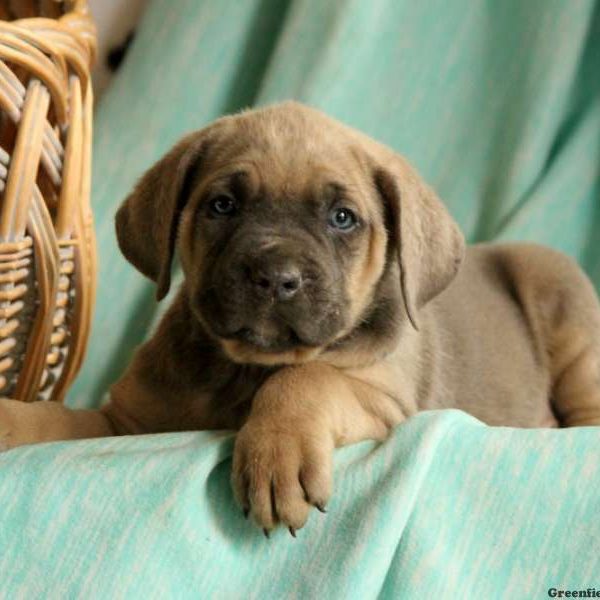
[(286, 222)]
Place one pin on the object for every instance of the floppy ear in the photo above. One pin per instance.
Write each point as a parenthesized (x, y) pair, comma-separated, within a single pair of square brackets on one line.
[(147, 220), (429, 245)]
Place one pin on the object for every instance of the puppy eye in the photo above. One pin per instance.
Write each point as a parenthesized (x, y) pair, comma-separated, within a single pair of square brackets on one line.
[(222, 206), (343, 219)]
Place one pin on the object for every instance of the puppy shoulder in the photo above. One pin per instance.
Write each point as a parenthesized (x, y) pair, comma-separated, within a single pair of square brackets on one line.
[(548, 284), (530, 263)]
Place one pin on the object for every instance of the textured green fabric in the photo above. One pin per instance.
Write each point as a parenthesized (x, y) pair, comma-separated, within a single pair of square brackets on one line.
[(498, 105), (446, 508)]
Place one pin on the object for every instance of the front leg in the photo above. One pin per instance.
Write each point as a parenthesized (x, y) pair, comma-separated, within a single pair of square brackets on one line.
[(282, 461), (24, 423)]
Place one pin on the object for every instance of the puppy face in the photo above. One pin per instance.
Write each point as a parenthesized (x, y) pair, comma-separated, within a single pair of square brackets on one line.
[(286, 222), (281, 242)]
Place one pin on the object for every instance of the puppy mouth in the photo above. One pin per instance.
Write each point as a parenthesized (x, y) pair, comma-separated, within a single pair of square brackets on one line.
[(247, 346), (282, 343), (251, 334)]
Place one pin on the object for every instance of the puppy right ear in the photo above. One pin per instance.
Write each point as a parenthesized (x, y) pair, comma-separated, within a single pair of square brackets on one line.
[(148, 219)]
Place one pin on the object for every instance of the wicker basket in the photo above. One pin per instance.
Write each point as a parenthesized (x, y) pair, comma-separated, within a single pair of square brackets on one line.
[(47, 247)]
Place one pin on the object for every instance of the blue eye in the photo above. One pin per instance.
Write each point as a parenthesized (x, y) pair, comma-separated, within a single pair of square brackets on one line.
[(343, 219), (222, 206)]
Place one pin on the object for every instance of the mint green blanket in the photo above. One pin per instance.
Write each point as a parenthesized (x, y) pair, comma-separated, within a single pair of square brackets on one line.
[(498, 105), (447, 508)]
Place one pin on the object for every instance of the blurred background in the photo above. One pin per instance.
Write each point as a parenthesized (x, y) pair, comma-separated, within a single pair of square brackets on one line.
[(497, 104), (116, 21)]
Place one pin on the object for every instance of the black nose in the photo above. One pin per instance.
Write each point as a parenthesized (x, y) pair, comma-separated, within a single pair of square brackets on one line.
[(282, 281)]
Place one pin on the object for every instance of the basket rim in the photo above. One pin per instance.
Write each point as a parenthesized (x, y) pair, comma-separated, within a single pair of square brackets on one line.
[(73, 8)]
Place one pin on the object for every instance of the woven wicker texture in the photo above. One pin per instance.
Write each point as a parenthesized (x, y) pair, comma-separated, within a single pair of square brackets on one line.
[(47, 248)]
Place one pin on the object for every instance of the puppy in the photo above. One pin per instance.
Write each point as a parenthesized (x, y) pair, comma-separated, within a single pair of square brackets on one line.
[(328, 296)]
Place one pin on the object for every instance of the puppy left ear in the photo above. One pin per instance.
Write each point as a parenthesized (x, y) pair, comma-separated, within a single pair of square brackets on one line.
[(429, 244)]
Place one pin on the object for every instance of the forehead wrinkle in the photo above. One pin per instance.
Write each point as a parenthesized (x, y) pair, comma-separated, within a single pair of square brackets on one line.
[(289, 157), (307, 177)]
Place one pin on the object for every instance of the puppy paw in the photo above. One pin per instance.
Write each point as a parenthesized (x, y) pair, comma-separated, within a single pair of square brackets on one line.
[(280, 474)]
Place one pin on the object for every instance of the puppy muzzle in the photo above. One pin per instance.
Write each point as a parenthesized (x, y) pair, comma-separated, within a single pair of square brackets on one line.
[(271, 302)]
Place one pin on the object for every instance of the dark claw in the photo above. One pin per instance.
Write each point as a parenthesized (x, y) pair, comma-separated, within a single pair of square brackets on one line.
[(266, 532), (320, 508), (292, 531), (246, 513)]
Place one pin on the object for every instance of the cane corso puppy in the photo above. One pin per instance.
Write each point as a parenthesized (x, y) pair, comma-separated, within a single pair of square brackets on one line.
[(328, 296)]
